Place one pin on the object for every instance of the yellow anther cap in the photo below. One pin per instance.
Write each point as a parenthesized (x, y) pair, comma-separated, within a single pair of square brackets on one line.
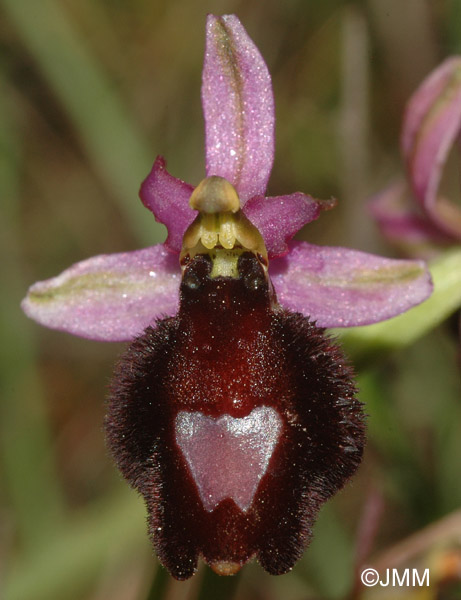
[(215, 195)]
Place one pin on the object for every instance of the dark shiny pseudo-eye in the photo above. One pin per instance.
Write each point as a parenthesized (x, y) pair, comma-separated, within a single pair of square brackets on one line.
[(236, 419)]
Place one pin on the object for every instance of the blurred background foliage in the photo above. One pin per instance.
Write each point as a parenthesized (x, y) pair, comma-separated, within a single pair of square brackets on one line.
[(91, 91)]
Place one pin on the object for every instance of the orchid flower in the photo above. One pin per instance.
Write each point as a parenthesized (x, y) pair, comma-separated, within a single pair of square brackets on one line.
[(232, 412), (414, 214)]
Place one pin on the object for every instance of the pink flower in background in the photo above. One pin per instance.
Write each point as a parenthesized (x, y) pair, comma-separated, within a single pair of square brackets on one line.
[(414, 214), (231, 412)]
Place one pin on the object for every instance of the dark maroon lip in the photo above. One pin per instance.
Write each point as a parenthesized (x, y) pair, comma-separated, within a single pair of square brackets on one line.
[(230, 355)]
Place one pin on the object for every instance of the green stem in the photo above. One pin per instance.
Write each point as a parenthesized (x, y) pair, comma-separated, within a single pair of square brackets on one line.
[(215, 586), (159, 585)]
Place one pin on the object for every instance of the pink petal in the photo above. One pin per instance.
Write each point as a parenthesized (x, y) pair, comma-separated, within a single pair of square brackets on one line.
[(278, 218), (339, 287), (111, 297), (238, 106), (168, 198), (431, 124)]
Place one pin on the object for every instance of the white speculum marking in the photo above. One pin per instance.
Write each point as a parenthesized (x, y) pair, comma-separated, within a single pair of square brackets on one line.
[(228, 456)]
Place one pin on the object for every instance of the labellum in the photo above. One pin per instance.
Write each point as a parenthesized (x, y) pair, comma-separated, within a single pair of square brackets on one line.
[(235, 419)]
